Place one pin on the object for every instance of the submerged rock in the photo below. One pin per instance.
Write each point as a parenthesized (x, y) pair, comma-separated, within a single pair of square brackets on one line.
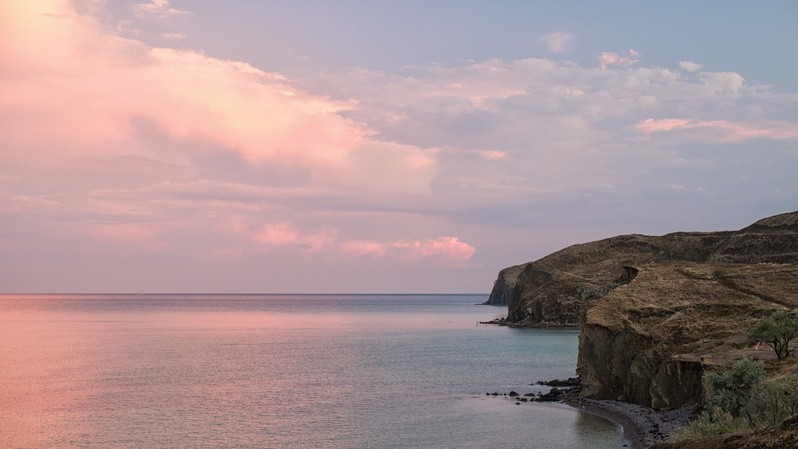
[(569, 382), (555, 394)]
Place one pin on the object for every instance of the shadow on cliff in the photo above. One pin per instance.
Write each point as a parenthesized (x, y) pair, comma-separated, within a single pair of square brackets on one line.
[(656, 312)]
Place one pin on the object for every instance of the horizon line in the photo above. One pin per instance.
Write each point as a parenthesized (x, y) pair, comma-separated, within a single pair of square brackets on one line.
[(238, 294)]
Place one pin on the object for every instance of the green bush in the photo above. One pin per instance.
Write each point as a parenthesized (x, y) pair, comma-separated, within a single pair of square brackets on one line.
[(731, 390), (773, 402), (740, 399), (728, 395)]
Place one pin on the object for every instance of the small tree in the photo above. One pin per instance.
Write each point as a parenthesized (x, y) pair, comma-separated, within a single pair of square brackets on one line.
[(777, 331)]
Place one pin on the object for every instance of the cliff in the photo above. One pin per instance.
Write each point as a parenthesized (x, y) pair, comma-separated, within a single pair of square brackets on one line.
[(504, 285), (649, 341), (656, 312), (551, 291)]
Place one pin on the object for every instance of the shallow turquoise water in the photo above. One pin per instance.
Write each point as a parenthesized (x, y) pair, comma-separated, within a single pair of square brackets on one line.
[(279, 371)]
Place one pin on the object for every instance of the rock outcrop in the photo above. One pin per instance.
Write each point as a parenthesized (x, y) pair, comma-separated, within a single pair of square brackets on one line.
[(504, 285), (649, 341), (657, 312), (551, 291)]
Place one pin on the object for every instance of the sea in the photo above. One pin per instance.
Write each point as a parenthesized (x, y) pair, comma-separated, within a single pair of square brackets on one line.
[(281, 371)]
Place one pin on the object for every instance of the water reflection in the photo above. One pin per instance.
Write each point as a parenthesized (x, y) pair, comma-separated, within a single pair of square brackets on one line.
[(97, 373), (588, 427)]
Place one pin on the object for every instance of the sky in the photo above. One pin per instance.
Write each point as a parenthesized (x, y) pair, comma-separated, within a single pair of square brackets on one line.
[(377, 146)]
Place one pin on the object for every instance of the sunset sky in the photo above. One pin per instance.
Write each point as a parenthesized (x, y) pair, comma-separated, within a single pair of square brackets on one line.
[(377, 146)]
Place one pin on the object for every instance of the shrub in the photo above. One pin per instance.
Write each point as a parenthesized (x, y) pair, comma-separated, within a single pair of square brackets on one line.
[(710, 422), (728, 395), (740, 399), (730, 390), (775, 401)]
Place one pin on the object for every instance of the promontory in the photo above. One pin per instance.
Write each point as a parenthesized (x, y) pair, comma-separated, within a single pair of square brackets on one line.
[(658, 312)]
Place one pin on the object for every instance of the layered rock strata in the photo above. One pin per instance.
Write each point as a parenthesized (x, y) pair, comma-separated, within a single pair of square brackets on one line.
[(657, 312), (552, 290), (649, 341)]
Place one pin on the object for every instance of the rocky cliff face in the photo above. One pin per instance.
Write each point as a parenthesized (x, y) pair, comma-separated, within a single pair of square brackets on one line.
[(657, 312), (504, 285), (650, 341), (551, 291)]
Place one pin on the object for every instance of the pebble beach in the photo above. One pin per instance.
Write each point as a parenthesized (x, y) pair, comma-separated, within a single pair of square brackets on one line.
[(641, 426)]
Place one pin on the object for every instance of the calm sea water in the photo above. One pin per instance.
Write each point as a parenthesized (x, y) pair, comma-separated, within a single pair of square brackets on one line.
[(279, 371)]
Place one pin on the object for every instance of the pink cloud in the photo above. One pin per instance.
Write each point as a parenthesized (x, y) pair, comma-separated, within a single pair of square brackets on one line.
[(284, 234), (721, 130), (247, 111), (56, 62), (651, 125), (609, 59), (493, 154), (326, 240), (737, 132), (360, 248), (447, 248)]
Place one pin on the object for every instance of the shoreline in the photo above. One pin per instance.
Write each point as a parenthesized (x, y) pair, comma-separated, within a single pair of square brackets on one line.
[(640, 426)]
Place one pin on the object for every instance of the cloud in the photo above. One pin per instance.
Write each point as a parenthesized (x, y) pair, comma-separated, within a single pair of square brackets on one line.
[(158, 9), (445, 248), (721, 130), (651, 125), (112, 146), (558, 42), (174, 36), (285, 234), (271, 236), (610, 59), (493, 154), (361, 248), (571, 133), (143, 100), (690, 66), (722, 83), (442, 249), (164, 137)]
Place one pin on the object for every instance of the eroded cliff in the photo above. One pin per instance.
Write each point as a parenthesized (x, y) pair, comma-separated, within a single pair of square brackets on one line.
[(504, 285), (657, 312), (551, 291), (650, 341)]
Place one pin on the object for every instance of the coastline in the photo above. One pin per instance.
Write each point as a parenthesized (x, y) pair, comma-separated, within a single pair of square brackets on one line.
[(641, 426)]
